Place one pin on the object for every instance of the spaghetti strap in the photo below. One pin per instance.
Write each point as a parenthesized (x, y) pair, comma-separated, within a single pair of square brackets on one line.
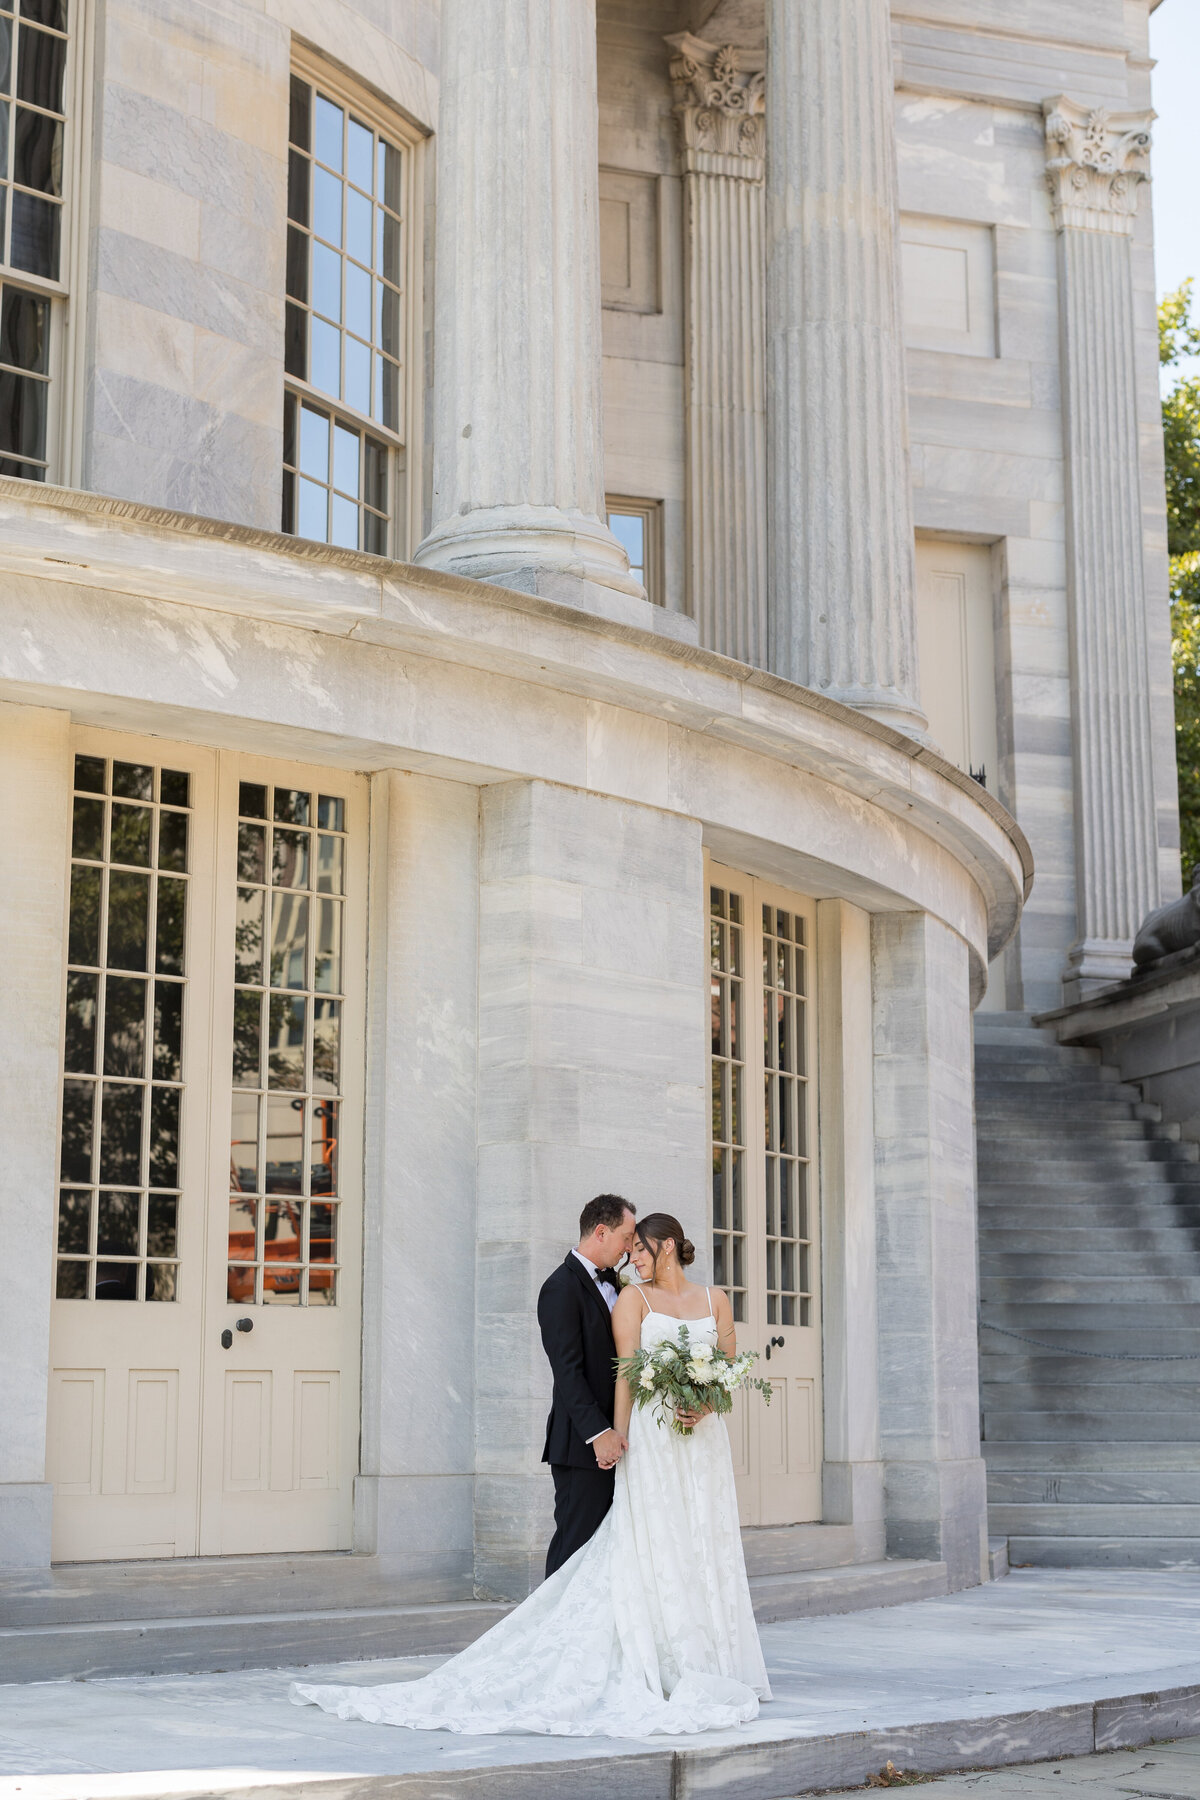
[(645, 1303), (708, 1297)]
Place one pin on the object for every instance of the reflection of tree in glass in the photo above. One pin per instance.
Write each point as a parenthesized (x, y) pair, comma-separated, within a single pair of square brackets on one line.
[(164, 1137), (84, 946), (285, 1058), (247, 1013), (172, 900)]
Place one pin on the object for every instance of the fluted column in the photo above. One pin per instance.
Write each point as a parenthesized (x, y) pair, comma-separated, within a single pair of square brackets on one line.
[(1095, 164), (840, 524), (517, 470), (719, 109)]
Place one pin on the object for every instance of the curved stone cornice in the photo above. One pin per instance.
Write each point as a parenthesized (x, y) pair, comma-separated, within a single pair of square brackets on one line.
[(1096, 162), (478, 682), (719, 104)]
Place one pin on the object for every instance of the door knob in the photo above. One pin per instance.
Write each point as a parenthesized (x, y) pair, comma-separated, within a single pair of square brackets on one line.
[(248, 1325), (775, 1343)]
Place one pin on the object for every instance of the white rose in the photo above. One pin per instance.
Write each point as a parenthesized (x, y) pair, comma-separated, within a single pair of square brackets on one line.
[(647, 1378), (699, 1371), (702, 1353), (667, 1354)]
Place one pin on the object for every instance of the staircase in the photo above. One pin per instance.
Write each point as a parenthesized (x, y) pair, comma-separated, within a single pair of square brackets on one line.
[(1089, 1215)]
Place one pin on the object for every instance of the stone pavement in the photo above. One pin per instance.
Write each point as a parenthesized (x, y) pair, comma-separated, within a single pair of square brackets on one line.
[(1159, 1772), (1046, 1663)]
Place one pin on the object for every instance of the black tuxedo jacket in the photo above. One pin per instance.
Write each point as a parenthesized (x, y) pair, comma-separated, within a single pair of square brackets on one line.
[(577, 1337)]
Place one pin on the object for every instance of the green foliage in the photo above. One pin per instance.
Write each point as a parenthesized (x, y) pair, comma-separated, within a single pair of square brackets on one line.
[(1185, 657), (1178, 337)]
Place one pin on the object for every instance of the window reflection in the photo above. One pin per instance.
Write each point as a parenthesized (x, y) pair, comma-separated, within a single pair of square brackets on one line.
[(123, 1031), (284, 1126)]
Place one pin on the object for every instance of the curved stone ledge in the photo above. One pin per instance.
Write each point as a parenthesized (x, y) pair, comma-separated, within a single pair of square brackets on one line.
[(390, 665)]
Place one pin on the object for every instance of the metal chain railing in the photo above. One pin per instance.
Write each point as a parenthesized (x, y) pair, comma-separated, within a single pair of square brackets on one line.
[(1100, 1355)]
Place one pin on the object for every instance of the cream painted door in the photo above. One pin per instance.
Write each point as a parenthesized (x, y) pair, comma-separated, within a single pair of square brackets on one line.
[(956, 647), (164, 1440), (281, 1350), (765, 1211), (127, 1318)]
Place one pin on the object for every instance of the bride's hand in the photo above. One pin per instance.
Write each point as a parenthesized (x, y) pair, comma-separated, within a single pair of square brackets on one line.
[(691, 1419)]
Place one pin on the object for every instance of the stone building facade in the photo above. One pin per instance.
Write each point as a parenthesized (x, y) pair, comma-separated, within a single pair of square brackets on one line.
[(562, 566)]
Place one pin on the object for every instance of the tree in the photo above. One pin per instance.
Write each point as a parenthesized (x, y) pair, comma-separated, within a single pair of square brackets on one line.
[(1178, 337)]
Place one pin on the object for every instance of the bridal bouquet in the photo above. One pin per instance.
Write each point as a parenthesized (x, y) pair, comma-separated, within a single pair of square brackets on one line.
[(679, 1376)]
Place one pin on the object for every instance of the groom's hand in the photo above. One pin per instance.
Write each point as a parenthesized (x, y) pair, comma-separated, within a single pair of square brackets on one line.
[(610, 1447)]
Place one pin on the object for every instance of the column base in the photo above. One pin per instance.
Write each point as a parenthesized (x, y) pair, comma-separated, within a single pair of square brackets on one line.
[(422, 1523), (887, 705), (568, 557), (938, 1511), (514, 1522), (1095, 963), (25, 1520)]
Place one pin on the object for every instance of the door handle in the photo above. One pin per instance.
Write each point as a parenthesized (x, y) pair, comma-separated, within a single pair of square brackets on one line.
[(239, 1325), (248, 1325), (775, 1343)]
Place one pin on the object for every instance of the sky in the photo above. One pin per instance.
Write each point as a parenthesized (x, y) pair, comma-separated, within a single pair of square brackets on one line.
[(1175, 44)]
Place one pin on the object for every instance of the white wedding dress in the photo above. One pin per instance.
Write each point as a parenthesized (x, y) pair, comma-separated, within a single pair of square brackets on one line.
[(648, 1629)]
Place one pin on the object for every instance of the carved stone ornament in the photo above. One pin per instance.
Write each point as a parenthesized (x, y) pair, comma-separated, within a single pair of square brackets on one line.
[(1095, 163), (719, 100)]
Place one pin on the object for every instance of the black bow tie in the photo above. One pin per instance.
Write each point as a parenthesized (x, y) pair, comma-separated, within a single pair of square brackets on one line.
[(607, 1276)]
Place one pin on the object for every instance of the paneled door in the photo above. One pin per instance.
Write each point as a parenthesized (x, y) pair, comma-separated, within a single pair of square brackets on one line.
[(210, 1149), (765, 1210), (280, 1427)]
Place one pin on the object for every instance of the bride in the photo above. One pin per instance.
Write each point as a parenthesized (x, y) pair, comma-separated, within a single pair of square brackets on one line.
[(649, 1627)]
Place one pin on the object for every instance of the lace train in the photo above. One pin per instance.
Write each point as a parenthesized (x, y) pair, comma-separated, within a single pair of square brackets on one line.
[(646, 1630)]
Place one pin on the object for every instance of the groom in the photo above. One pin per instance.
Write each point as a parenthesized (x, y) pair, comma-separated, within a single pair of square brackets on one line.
[(574, 1313)]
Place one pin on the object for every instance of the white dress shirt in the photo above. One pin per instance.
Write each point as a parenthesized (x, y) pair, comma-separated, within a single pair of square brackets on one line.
[(609, 1296)]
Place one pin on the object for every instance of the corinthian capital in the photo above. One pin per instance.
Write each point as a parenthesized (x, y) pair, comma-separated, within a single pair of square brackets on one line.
[(719, 105), (1095, 163)]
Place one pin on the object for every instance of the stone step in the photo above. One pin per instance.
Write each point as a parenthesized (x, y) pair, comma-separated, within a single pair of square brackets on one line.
[(161, 1646), (1118, 1519), (1021, 1425), (1121, 1290), (1103, 1553), (1151, 1162), (1059, 1344), (1039, 1369), (1095, 1487), (1154, 1184), (996, 1114), (208, 1586), (790, 1549), (1168, 1237), (997, 1558), (1129, 1263), (1039, 1318), (157, 1646), (1072, 1133), (1061, 1455), (1017, 1062), (1123, 1397), (815, 1592)]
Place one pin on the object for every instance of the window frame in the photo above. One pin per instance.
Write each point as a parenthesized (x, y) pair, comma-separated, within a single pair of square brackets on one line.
[(66, 354), (650, 512), (403, 446)]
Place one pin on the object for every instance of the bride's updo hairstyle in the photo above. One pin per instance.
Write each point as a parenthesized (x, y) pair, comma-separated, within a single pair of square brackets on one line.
[(653, 1232)]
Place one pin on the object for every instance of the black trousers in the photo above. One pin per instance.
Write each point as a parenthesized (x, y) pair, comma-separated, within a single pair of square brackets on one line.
[(581, 1499)]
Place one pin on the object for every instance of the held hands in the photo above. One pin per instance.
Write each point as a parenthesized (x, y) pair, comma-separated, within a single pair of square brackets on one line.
[(610, 1447)]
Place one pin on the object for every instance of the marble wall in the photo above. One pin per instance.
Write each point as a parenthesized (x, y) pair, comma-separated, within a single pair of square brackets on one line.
[(35, 824), (934, 1477), (592, 1079)]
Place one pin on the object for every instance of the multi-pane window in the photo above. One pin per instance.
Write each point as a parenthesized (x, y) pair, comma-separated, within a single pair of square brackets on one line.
[(118, 1205), (287, 1050), (637, 527), (345, 324), (785, 1113), (727, 994), (33, 68)]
